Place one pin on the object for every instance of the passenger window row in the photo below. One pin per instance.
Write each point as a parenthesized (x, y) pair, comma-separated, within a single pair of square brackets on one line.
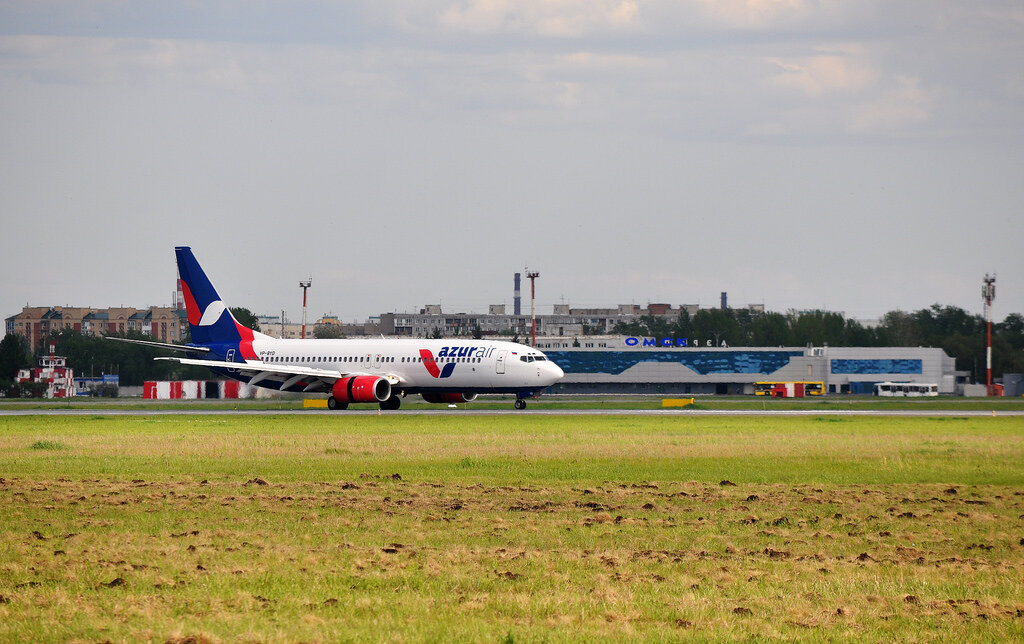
[(349, 359)]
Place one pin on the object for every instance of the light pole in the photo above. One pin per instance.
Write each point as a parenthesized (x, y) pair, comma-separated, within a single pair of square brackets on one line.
[(533, 297), (305, 287)]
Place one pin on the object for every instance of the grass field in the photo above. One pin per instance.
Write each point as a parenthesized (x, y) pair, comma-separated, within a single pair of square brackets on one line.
[(522, 528)]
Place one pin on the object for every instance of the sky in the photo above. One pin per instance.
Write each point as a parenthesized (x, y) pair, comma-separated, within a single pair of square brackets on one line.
[(858, 156)]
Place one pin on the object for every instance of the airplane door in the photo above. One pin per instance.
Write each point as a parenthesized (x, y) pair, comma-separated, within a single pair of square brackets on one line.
[(499, 363), (376, 361)]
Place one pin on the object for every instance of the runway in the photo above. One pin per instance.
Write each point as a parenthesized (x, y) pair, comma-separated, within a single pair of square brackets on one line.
[(678, 413)]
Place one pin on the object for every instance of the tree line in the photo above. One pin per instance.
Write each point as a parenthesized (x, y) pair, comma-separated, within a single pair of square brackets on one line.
[(959, 333)]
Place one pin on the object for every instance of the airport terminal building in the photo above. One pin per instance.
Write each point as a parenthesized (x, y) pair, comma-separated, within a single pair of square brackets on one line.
[(645, 365)]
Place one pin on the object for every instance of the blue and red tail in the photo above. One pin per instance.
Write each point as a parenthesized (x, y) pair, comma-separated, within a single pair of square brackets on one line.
[(209, 321)]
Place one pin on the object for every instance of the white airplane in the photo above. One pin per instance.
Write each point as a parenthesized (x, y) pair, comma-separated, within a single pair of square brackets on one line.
[(353, 371)]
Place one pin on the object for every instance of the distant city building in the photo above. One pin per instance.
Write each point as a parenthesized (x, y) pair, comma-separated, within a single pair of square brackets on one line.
[(563, 321), (34, 323), (271, 325)]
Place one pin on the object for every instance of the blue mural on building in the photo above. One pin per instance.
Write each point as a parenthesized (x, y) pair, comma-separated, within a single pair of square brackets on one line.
[(857, 367), (703, 362)]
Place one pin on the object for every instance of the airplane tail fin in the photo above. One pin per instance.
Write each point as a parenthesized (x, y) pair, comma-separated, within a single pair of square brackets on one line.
[(210, 322)]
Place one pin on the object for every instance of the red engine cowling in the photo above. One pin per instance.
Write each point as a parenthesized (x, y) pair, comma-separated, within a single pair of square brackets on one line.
[(361, 389), (448, 398)]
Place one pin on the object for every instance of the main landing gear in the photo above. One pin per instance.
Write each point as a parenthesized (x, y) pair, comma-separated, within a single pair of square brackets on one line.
[(520, 403), (392, 403), (333, 404)]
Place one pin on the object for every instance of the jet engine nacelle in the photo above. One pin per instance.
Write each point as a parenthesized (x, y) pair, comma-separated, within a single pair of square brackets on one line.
[(361, 389), (448, 398)]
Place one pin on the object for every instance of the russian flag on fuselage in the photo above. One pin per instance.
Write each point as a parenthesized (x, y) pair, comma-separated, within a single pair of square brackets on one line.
[(209, 320)]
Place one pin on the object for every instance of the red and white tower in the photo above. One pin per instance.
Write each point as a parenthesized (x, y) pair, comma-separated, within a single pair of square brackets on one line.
[(53, 372), (988, 293)]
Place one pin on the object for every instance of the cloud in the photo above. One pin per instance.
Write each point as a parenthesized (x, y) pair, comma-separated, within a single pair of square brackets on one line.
[(757, 14), (575, 20), (897, 107), (553, 18), (81, 60), (822, 74), (902, 105), (399, 78), (846, 89), (310, 72)]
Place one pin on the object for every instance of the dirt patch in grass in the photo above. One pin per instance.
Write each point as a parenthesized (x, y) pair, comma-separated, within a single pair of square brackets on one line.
[(635, 559)]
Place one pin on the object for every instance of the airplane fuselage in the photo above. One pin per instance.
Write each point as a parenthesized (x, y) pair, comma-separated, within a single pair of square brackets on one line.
[(411, 365)]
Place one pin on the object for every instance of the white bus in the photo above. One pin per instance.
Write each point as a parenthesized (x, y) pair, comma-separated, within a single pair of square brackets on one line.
[(906, 389)]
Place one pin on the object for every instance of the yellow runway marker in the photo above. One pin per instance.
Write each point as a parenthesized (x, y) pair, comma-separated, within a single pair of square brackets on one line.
[(676, 402)]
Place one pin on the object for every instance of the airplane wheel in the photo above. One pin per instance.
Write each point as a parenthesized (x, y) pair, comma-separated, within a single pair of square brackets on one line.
[(392, 403), (333, 404), (520, 403)]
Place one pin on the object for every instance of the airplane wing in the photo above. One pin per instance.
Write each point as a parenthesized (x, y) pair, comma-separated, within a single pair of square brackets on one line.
[(257, 371), (161, 345)]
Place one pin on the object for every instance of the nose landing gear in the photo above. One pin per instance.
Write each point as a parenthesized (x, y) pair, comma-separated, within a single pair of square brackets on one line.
[(520, 403)]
